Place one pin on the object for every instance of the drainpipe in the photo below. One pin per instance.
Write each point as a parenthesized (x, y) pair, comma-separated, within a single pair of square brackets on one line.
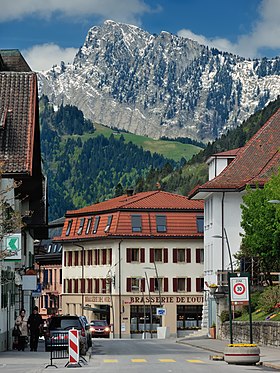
[(120, 296), (223, 233)]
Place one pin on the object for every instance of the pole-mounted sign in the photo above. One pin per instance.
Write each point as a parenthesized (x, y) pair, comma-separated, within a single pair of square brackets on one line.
[(239, 290)]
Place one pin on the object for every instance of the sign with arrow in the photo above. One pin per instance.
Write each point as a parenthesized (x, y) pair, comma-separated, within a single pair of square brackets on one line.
[(12, 246)]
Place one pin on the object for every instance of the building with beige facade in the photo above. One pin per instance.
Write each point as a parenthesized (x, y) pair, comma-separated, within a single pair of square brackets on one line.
[(137, 261)]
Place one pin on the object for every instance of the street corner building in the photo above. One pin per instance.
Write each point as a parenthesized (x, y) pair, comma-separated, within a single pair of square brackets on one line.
[(22, 186), (136, 261)]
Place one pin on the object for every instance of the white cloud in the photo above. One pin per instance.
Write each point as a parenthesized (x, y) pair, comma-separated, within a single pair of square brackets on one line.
[(44, 56), (120, 10), (265, 33)]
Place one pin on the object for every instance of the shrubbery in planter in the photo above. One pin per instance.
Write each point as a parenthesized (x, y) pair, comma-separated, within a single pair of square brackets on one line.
[(242, 354)]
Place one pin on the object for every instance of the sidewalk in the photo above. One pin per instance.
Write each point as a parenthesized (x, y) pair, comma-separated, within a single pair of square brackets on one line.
[(270, 357)]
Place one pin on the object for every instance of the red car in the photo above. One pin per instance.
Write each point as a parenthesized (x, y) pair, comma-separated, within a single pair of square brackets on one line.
[(100, 328)]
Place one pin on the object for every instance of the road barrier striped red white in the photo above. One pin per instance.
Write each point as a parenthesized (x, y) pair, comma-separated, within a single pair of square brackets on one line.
[(74, 351)]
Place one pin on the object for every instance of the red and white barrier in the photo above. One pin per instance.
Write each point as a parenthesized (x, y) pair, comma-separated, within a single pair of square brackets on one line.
[(74, 352)]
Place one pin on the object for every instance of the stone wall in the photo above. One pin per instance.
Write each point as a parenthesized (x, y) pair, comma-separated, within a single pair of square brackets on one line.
[(265, 333)]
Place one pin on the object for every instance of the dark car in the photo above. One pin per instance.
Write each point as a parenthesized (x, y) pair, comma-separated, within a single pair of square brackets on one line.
[(100, 328), (56, 335)]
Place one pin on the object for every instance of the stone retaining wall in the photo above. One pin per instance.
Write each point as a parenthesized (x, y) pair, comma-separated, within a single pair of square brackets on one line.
[(265, 333)]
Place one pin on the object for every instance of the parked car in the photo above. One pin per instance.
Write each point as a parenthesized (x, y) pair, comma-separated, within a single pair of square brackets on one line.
[(100, 328), (56, 334)]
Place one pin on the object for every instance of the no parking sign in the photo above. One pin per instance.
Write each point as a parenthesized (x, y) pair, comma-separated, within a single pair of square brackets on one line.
[(239, 290)]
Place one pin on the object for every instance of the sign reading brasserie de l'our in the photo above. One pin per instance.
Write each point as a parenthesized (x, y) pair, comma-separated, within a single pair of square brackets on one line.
[(189, 299)]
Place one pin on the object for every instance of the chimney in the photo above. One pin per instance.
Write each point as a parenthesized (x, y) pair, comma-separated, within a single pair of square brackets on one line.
[(129, 192)]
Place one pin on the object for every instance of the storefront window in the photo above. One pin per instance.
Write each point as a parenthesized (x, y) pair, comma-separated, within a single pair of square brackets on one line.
[(189, 317), (138, 322)]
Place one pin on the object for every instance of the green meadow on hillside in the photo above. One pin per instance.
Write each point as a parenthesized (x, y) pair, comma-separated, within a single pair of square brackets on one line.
[(169, 149)]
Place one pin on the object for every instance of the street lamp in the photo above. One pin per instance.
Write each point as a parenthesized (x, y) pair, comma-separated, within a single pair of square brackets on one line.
[(110, 279), (228, 247)]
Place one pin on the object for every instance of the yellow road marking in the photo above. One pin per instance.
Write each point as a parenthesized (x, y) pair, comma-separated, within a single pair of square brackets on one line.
[(167, 361), (111, 361), (195, 361), (138, 360)]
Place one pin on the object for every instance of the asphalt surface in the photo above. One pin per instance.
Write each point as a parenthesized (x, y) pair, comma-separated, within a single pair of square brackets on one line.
[(36, 362)]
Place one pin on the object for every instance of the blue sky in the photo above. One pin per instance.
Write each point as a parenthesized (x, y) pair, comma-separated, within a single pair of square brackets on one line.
[(48, 31)]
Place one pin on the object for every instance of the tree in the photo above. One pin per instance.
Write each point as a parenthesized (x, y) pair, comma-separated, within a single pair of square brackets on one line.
[(261, 224)]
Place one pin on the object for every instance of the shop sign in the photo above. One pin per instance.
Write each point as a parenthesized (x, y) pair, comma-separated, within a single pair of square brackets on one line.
[(165, 300)]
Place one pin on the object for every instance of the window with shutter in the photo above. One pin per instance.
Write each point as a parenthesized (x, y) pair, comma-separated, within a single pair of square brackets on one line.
[(76, 258), (161, 223), (199, 256), (89, 257), (181, 284), (76, 286), (89, 289), (69, 286), (104, 256), (135, 255), (152, 255), (103, 282), (70, 254), (136, 223), (83, 288)]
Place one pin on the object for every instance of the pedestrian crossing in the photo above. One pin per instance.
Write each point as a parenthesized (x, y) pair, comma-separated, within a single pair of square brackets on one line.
[(141, 360)]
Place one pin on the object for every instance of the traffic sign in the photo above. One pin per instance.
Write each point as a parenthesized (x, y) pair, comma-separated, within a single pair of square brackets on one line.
[(239, 287), (161, 311), (12, 243)]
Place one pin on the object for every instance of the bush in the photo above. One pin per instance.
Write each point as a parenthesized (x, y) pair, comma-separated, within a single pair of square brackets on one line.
[(269, 298), (225, 315)]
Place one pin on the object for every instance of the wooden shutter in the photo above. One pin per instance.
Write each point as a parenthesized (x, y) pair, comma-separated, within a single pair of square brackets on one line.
[(175, 255), (142, 255), (83, 287), (198, 285), (189, 284), (96, 256), (89, 257), (89, 289), (110, 256), (152, 255), (175, 285), (128, 255), (96, 280), (70, 258), (165, 284), (104, 256), (165, 255), (64, 287), (76, 258), (197, 256), (128, 284), (64, 260), (103, 282), (76, 286), (69, 286), (152, 284), (188, 255), (143, 284)]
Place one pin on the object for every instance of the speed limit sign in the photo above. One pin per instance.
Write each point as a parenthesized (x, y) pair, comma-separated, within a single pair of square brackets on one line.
[(239, 287)]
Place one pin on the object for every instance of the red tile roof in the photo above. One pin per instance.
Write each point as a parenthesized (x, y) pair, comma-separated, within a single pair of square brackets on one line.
[(145, 200), (181, 217), (18, 93), (254, 163)]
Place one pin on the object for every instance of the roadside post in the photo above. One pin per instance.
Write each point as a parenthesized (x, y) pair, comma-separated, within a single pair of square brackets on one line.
[(239, 293), (74, 350)]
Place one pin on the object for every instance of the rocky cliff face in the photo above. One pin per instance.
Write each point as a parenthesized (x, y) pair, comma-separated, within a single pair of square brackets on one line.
[(160, 85)]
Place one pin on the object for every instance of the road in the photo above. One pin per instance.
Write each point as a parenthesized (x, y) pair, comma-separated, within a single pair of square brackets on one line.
[(126, 356), (153, 356)]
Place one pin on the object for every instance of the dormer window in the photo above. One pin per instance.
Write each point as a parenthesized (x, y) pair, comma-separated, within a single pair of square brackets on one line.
[(161, 223), (69, 227), (96, 223), (88, 225), (82, 222), (136, 223), (200, 224), (109, 222)]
